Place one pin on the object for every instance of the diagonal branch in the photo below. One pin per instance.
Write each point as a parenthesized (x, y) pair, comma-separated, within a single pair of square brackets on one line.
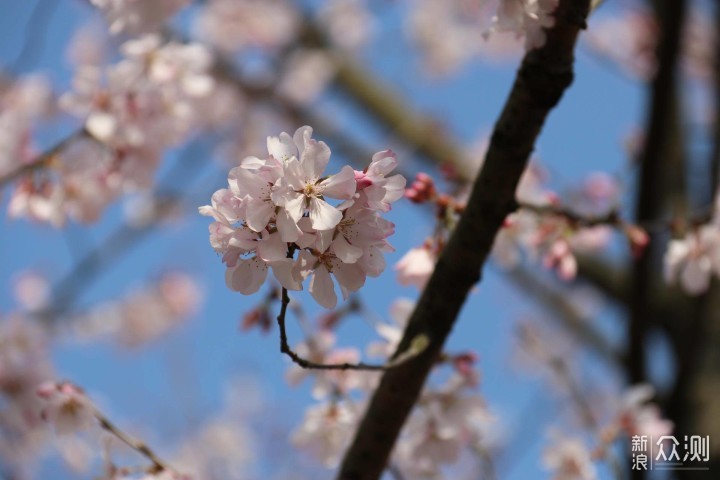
[(566, 314), (541, 81)]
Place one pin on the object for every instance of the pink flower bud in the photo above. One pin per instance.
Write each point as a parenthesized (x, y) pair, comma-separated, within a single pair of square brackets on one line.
[(638, 239), (362, 179), (424, 178), (464, 363)]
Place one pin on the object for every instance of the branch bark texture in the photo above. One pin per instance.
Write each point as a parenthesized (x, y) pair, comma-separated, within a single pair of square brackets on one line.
[(544, 75)]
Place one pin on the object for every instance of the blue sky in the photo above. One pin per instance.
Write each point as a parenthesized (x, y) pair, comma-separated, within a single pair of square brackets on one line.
[(144, 387)]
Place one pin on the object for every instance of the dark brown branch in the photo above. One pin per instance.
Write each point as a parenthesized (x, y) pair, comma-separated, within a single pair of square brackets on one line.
[(422, 134), (305, 363), (543, 77), (650, 195), (715, 128)]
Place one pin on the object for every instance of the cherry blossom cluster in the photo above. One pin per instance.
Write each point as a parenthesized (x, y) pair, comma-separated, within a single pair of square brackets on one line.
[(24, 364), (24, 102), (69, 411), (606, 418), (449, 419), (154, 98), (451, 33), (66, 407), (692, 261), (232, 25), (629, 37), (571, 457), (137, 16), (279, 205), (541, 230), (142, 316), (222, 445)]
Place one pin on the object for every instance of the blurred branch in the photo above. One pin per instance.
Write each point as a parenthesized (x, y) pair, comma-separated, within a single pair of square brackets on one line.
[(715, 129), (135, 444), (693, 402), (430, 141), (544, 75), (653, 162), (44, 159), (612, 280), (565, 313), (120, 241), (387, 106), (612, 218)]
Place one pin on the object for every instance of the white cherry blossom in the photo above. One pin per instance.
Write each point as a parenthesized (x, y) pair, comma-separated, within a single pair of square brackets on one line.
[(416, 266), (326, 431), (67, 408), (691, 261), (137, 16), (569, 459), (275, 216)]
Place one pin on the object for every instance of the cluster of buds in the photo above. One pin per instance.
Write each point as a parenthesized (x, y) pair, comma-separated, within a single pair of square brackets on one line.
[(422, 189)]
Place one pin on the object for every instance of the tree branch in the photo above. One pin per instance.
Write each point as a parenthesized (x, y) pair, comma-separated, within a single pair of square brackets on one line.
[(42, 160), (566, 314), (305, 363), (137, 445), (543, 77), (650, 203)]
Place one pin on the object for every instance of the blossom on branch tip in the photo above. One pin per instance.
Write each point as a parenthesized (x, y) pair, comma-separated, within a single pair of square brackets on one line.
[(691, 261), (569, 458), (326, 431), (137, 16), (276, 214), (416, 266), (526, 17), (67, 407), (639, 417)]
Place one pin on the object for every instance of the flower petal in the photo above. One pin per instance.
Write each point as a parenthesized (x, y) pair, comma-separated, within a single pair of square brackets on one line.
[(258, 214), (286, 273), (344, 251), (350, 277), (287, 226), (341, 185), (322, 288), (323, 215), (282, 147), (271, 248), (247, 276)]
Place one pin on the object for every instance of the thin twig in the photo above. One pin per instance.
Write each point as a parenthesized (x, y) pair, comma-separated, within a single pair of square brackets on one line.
[(132, 442), (304, 363), (562, 369), (611, 218)]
